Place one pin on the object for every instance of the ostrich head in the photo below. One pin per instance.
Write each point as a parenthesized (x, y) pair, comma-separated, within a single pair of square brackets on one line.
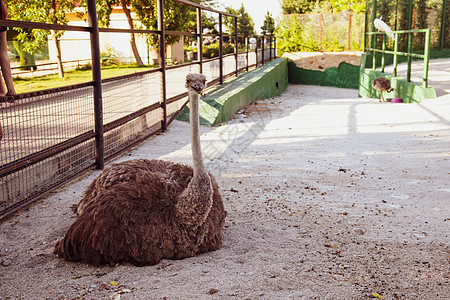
[(195, 83)]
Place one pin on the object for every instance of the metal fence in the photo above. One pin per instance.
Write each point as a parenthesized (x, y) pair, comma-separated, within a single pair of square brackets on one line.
[(50, 136), (408, 53)]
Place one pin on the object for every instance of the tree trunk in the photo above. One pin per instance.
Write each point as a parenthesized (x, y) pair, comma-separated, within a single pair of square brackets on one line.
[(58, 56), (56, 41), (132, 38)]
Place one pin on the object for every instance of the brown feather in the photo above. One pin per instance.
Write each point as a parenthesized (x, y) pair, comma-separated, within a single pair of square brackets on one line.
[(128, 215)]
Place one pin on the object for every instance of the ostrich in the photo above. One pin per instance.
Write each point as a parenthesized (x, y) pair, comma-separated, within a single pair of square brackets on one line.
[(141, 211), (382, 84)]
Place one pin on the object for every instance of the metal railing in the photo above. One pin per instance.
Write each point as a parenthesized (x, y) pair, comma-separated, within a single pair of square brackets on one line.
[(409, 53), (51, 136)]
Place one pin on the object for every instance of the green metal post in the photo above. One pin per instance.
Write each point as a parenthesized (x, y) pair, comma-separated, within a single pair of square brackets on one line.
[(442, 32), (374, 36), (409, 45), (366, 29), (426, 59), (395, 54), (382, 54)]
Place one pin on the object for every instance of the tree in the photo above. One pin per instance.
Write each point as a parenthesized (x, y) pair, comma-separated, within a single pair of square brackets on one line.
[(269, 25), (45, 11), (176, 18), (245, 23)]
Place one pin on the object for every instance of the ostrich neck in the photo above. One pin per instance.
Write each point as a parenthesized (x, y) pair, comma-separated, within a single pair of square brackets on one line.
[(199, 168)]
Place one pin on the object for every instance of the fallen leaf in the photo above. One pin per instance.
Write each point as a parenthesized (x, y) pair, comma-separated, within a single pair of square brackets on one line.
[(377, 295), (113, 283)]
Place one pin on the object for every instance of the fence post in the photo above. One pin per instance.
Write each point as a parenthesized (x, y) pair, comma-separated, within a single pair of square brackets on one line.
[(320, 31), (246, 51), (442, 31), (220, 50), (373, 36), (97, 78), (256, 52), (427, 58), (275, 47), (270, 48), (262, 50), (349, 30), (162, 60), (383, 47), (236, 43), (395, 54), (200, 39), (409, 42)]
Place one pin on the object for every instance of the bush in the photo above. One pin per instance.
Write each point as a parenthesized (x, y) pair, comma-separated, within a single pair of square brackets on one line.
[(212, 50)]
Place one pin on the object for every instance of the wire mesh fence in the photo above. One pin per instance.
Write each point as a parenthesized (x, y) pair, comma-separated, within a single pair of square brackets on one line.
[(50, 136)]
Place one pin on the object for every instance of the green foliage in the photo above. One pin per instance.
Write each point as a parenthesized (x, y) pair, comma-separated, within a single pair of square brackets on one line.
[(297, 6), (109, 56), (177, 17), (45, 11), (356, 6), (212, 50), (306, 33), (294, 37)]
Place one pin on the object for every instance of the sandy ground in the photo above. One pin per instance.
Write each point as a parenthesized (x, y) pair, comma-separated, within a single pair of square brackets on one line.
[(328, 197)]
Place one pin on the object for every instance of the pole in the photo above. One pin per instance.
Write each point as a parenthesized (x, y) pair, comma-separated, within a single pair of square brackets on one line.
[(349, 30), (236, 43), (262, 48), (97, 78), (200, 39), (162, 61), (442, 32), (246, 52), (383, 54), (374, 36), (395, 54), (427, 58), (270, 47), (409, 58), (220, 50)]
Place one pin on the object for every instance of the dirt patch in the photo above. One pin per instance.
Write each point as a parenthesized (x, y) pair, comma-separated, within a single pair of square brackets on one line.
[(328, 197), (323, 60)]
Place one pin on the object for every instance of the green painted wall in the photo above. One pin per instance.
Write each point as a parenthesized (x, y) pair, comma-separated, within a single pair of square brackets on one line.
[(344, 76), (410, 92), (220, 103)]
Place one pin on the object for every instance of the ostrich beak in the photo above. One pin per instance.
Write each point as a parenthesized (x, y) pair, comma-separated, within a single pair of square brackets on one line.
[(198, 87)]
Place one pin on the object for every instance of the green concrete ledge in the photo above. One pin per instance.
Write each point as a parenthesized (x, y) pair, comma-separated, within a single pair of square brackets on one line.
[(410, 92), (220, 103), (344, 76)]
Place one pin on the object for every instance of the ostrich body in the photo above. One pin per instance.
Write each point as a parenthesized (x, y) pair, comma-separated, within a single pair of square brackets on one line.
[(141, 211), (382, 84)]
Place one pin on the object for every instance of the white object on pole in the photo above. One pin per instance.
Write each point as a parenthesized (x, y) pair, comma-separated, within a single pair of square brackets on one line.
[(381, 26)]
